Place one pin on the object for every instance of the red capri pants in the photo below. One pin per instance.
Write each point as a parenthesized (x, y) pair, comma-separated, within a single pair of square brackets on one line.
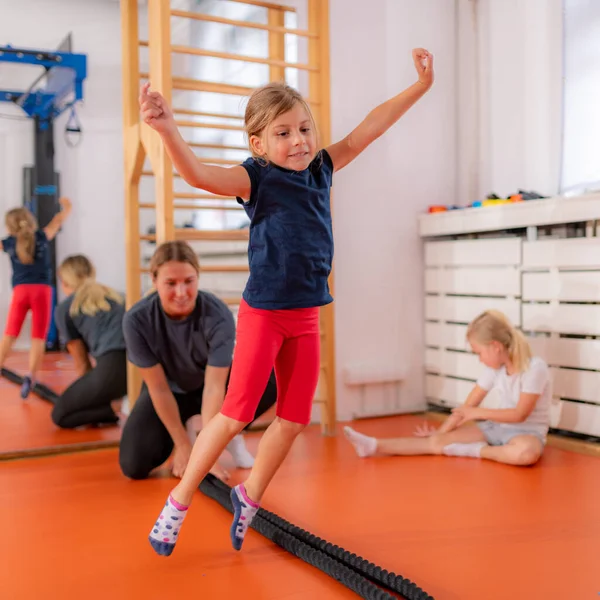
[(36, 297), (288, 339)]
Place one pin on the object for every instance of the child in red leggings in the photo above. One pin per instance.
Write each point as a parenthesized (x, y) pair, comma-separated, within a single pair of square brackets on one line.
[(29, 254), (285, 190)]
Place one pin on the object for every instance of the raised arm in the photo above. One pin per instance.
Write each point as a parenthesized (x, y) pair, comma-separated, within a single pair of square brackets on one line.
[(232, 181), (58, 219), (380, 119)]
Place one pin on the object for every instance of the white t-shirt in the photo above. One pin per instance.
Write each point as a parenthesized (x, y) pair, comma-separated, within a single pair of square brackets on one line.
[(536, 380)]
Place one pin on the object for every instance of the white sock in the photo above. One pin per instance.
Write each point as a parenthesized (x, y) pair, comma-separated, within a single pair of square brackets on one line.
[(363, 444), (241, 457), (163, 535), (472, 450)]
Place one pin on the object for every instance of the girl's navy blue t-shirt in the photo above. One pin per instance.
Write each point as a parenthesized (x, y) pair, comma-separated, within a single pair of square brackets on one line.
[(38, 272), (291, 238)]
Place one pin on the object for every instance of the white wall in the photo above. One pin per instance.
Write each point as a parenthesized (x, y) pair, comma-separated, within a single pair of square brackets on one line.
[(510, 114), (378, 277), (92, 173), (580, 164), (16, 150)]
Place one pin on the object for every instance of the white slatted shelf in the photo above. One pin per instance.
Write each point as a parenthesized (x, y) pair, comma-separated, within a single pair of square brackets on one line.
[(550, 287)]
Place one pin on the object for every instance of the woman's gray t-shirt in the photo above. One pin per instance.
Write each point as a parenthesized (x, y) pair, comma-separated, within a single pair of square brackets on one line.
[(100, 333), (184, 347)]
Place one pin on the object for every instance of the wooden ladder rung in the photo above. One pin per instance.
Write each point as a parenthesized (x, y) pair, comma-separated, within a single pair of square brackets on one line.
[(249, 24), (181, 123), (195, 196), (214, 269), (265, 4), (216, 146), (185, 233), (231, 300), (196, 207), (201, 113)]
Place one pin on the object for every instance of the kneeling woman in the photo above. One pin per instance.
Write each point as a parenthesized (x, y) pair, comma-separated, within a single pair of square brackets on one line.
[(515, 432), (90, 320), (182, 340)]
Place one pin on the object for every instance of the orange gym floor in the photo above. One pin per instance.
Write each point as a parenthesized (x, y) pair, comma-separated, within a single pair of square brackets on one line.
[(462, 529), (26, 426)]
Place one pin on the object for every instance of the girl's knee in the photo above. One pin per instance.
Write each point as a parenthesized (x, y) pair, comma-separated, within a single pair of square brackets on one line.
[(58, 418), (290, 428), (527, 455), (233, 426)]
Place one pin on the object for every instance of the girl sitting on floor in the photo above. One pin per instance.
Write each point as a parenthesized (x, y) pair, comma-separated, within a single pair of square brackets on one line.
[(514, 433)]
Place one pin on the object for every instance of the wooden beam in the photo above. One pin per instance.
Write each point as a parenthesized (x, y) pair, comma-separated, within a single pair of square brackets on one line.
[(214, 269), (202, 196), (186, 233), (242, 58), (210, 125), (276, 18), (319, 83), (231, 300), (200, 113), (159, 27), (133, 163), (208, 160), (198, 85), (249, 24), (266, 4), (195, 207), (219, 235), (216, 146)]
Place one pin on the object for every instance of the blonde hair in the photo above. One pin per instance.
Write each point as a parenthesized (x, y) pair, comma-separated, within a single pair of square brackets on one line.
[(266, 104), (494, 326), (22, 224), (90, 297)]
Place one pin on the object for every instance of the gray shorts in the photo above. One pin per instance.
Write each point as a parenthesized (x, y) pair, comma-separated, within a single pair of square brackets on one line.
[(498, 434)]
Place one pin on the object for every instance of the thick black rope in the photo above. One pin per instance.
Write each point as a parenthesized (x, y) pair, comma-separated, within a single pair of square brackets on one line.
[(391, 581), (39, 389), (343, 558), (348, 577)]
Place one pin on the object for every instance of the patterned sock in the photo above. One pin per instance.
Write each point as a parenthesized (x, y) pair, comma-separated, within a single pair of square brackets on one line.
[(164, 533), (244, 511), (363, 444), (241, 457), (26, 386), (472, 450)]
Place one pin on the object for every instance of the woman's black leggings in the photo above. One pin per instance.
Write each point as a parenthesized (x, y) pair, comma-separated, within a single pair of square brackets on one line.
[(146, 443), (87, 400)]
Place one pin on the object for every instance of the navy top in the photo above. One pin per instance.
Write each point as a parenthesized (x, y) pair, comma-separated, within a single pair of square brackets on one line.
[(183, 347), (291, 239), (39, 270)]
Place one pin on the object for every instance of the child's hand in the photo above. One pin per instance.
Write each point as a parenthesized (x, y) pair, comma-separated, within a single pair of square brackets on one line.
[(424, 64), (155, 110), (425, 430), (65, 204)]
